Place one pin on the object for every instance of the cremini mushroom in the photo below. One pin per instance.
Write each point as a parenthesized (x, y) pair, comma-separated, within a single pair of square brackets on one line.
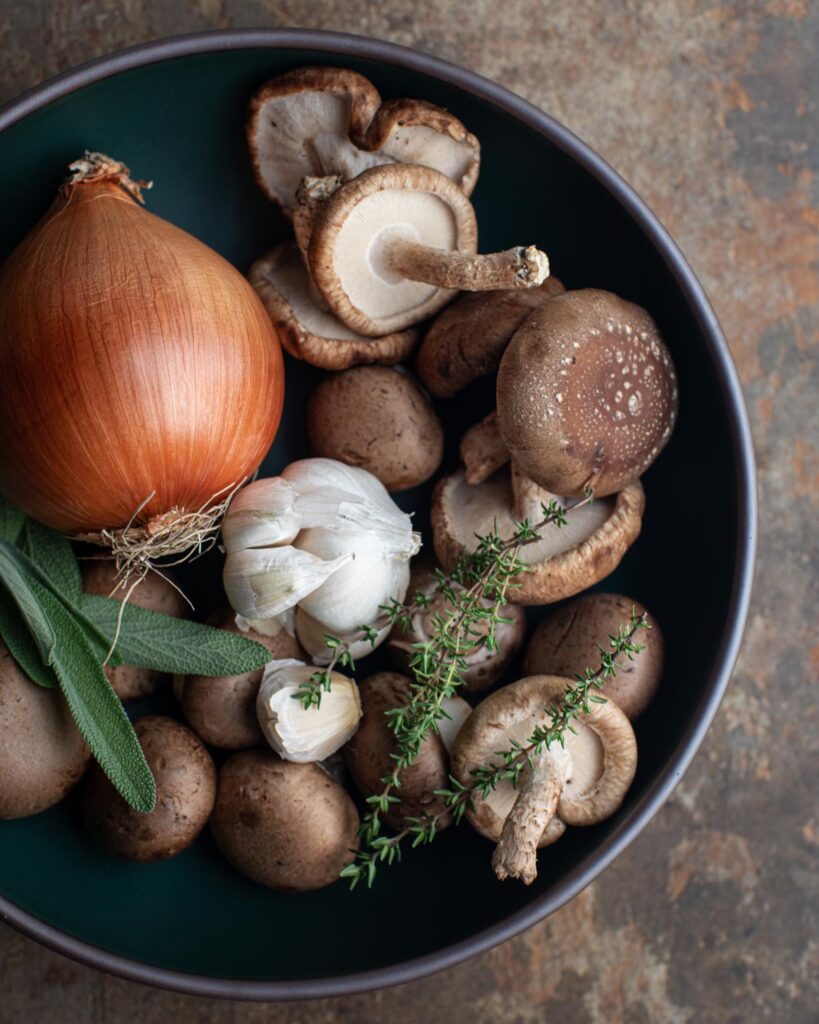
[(568, 640), (586, 393), (377, 418), (306, 328), (157, 594), (580, 783), (283, 825), (484, 666), (317, 121), (42, 755), (185, 793), (566, 559), (369, 754), (222, 710), (467, 339), (389, 248)]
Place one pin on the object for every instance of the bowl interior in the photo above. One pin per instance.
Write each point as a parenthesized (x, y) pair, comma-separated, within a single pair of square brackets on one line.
[(181, 123)]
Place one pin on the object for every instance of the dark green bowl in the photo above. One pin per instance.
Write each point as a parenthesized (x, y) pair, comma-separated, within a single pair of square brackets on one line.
[(174, 111)]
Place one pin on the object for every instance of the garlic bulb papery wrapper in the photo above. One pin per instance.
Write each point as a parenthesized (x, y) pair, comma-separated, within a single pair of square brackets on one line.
[(138, 369), (324, 536), (303, 734), (269, 627)]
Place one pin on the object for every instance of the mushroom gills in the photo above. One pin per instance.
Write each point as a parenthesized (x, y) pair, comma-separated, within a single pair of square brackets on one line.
[(362, 252), (483, 505)]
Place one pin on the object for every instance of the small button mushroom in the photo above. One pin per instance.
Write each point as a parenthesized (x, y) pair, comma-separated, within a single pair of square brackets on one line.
[(306, 328), (467, 339), (99, 576), (388, 249), (299, 733), (586, 393), (185, 792), (369, 755), (581, 783), (222, 710), (568, 641), (484, 667), (379, 419), (324, 120), (42, 755), (565, 560), (283, 825)]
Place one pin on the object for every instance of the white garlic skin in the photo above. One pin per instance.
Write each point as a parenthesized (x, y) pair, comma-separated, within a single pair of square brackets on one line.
[(310, 634), (304, 734)]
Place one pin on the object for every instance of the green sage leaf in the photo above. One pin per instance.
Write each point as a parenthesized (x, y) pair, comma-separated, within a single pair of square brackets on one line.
[(152, 640), (52, 552), (20, 585), (97, 710), (21, 644), (12, 521)]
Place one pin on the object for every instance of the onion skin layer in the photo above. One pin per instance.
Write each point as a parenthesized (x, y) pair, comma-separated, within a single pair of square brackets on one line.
[(133, 359)]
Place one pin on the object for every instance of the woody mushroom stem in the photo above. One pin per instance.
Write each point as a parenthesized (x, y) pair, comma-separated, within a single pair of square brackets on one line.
[(389, 247)]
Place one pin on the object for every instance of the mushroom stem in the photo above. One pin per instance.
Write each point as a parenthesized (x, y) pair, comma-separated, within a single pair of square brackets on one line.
[(483, 450), (515, 855), (528, 497), (518, 267)]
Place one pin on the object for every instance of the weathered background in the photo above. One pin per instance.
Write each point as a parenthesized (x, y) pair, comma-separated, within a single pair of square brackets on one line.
[(711, 111)]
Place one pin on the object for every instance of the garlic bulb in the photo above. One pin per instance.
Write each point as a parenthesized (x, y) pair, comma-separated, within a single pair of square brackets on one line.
[(324, 536), (311, 634), (303, 734), (269, 627)]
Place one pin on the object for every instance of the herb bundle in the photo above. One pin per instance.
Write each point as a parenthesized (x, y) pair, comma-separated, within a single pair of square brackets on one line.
[(60, 637)]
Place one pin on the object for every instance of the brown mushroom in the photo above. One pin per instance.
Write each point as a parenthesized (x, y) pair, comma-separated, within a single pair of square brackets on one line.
[(284, 825), (377, 418), (369, 755), (586, 393), (307, 330), (99, 576), (388, 248), (42, 755), (580, 783), (565, 560), (567, 642), (324, 120), (467, 339), (222, 710), (484, 666), (185, 792)]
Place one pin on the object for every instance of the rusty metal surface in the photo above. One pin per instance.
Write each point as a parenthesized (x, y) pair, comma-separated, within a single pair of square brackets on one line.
[(711, 110)]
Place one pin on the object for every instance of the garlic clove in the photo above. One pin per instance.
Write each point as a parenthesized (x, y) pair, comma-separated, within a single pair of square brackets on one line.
[(272, 626), (311, 635), (304, 734), (263, 582), (260, 515)]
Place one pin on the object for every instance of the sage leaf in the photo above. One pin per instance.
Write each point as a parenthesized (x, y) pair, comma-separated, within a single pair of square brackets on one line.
[(97, 710), (152, 640), (11, 522), (20, 587), (22, 647), (52, 552)]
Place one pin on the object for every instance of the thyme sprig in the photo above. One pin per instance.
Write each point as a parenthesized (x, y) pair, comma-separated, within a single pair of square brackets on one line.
[(577, 701)]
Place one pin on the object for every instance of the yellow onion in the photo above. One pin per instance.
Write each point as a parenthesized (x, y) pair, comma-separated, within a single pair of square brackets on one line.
[(139, 372)]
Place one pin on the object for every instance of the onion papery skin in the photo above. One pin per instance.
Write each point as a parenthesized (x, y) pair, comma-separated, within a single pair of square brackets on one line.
[(133, 359)]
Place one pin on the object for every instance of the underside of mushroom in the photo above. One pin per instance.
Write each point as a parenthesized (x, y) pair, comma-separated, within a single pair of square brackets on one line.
[(306, 328), (317, 121)]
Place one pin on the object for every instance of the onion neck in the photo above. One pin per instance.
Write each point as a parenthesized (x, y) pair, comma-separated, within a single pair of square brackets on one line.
[(97, 168), (518, 267)]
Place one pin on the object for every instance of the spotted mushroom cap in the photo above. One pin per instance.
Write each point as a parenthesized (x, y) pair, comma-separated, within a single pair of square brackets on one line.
[(586, 393)]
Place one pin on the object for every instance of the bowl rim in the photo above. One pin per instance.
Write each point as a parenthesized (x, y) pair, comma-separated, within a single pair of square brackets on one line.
[(337, 44)]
